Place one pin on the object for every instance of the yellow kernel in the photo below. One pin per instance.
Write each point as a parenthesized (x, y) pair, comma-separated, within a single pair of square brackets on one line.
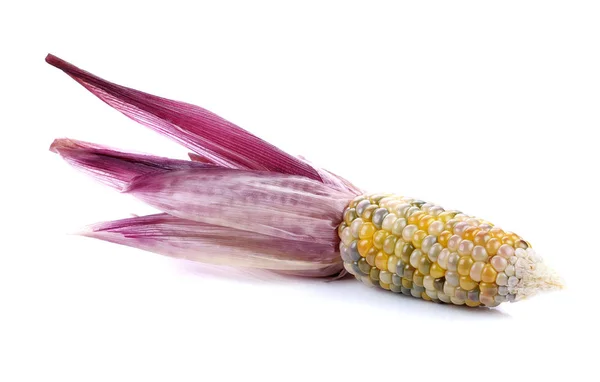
[(464, 265), (384, 285), (364, 246), (444, 237), (472, 303), (392, 264), (381, 261), (467, 283), (481, 238), (488, 289), (379, 238), (436, 271), (497, 233), (513, 236), (406, 283), (424, 222), (470, 233), (492, 246), (446, 216), (424, 296), (418, 238), (508, 240), (367, 230), (489, 274), (414, 218)]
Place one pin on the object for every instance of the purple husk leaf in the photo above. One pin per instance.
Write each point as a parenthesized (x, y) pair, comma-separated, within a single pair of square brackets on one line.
[(277, 205), (113, 167), (196, 241), (239, 201), (213, 138)]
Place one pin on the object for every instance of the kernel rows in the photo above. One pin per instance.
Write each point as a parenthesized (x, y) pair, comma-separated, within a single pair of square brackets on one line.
[(419, 249)]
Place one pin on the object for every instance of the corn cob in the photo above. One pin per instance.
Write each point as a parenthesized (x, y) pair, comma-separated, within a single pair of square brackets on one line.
[(243, 202), (419, 249)]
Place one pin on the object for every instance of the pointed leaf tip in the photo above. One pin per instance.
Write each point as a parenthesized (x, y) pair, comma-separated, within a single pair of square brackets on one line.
[(214, 139)]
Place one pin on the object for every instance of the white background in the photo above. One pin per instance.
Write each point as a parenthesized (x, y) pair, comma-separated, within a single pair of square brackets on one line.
[(489, 107)]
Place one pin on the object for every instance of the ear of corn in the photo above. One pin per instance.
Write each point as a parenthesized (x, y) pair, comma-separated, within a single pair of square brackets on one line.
[(419, 249)]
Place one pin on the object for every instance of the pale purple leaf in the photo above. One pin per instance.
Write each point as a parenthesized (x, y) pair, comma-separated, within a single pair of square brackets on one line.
[(285, 206)]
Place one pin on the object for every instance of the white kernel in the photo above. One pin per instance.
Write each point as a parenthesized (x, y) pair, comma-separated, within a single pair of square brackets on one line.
[(465, 247), (460, 228), (506, 251), (415, 257), (502, 279), (388, 222), (436, 228), (442, 259), (476, 270), (408, 232), (479, 253), (453, 243), (427, 243), (499, 263), (510, 270)]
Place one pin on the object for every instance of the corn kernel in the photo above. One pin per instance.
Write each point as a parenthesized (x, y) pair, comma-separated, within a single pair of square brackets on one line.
[(371, 253), (443, 238), (492, 246), (481, 238), (349, 216), (467, 283), (385, 277), (428, 282), (424, 222), (464, 265), (424, 265), (392, 263), (436, 271), (435, 228), (418, 238), (388, 222), (398, 227), (418, 278), (488, 289), (408, 232), (497, 233), (470, 233), (364, 246), (389, 244), (367, 214), (476, 270), (414, 218), (381, 261), (489, 274), (415, 258), (341, 228), (454, 242), (367, 230), (379, 238)]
